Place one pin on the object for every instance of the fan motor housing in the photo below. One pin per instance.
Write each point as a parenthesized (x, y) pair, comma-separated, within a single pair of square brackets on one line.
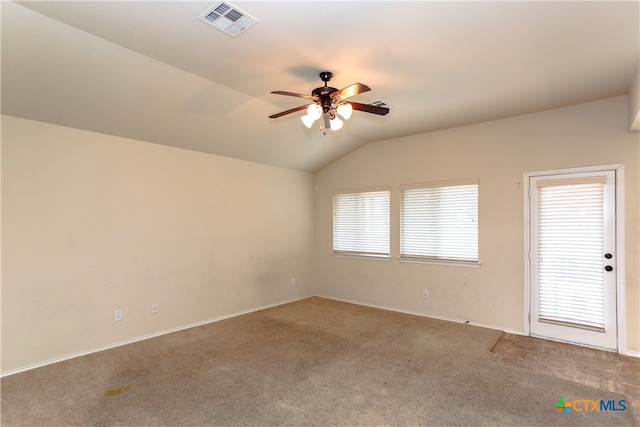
[(323, 91), (322, 96)]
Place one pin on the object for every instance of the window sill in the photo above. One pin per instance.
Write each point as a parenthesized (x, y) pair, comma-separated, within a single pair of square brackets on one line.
[(452, 262), (362, 256)]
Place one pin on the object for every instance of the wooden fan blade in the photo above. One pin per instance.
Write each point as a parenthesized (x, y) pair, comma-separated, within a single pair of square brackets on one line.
[(349, 91), (299, 95), (383, 111), (293, 110)]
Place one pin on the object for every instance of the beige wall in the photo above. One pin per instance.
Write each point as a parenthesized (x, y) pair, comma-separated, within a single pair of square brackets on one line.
[(497, 153), (92, 222)]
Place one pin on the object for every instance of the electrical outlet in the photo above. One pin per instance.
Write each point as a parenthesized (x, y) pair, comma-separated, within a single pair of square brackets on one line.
[(117, 315), (293, 281), (154, 308), (425, 293)]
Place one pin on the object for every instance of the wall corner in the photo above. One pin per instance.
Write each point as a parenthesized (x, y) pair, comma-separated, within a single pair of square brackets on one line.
[(634, 104)]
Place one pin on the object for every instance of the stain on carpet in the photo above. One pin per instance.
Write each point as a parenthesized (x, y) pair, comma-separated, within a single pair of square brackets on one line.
[(116, 391)]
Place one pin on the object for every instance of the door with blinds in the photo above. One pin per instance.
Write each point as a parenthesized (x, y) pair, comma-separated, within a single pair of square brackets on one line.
[(573, 259)]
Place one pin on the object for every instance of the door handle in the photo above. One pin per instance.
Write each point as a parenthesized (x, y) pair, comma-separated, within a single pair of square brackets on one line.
[(608, 267)]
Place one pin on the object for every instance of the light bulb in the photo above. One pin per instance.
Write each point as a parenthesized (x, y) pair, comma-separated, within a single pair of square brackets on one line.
[(314, 111), (307, 120), (345, 110), (336, 123)]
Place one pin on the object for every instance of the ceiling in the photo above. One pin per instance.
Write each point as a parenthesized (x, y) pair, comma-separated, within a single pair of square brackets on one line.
[(152, 71)]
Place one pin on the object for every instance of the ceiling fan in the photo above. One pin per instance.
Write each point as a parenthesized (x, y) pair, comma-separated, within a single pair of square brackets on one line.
[(329, 102)]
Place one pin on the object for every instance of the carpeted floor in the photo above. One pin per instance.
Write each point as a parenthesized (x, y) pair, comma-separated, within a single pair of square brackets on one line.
[(311, 362)]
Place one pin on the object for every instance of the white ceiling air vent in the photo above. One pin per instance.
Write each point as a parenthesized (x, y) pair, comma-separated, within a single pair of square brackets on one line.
[(379, 103), (228, 18)]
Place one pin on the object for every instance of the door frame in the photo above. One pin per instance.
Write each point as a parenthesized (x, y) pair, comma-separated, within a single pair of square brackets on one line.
[(620, 244)]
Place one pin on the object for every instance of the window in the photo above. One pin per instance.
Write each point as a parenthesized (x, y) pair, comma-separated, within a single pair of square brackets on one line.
[(361, 223), (439, 222)]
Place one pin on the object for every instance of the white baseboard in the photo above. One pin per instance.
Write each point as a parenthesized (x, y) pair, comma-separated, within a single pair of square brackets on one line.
[(632, 353), (142, 338), (431, 316)]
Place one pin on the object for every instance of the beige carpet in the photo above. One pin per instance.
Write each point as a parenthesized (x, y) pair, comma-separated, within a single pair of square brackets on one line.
[(312, 362)]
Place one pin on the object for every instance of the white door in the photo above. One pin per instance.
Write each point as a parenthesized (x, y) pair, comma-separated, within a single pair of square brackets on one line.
[(572, 258)]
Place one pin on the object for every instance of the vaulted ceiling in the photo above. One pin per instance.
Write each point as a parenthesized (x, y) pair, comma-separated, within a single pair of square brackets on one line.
[(153, 71)]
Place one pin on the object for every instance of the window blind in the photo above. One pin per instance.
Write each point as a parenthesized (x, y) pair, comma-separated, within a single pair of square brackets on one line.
[(361, 223), (440, 222), (570, 251)]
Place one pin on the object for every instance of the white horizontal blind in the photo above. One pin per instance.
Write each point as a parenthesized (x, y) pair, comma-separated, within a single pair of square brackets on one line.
[(361, 223), (440, 222), (570, 253)]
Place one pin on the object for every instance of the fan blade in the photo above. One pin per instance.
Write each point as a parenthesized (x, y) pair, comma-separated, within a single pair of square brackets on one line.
[(383, 111), (299, 95), (350, 91), (293, 110)]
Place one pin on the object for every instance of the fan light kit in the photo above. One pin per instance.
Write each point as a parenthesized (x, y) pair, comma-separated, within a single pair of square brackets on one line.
[(329, 103)]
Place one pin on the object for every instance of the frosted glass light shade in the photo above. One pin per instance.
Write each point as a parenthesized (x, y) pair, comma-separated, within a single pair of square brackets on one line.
[(345, 110), (314, 111), (307, 120), (336, 123)]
